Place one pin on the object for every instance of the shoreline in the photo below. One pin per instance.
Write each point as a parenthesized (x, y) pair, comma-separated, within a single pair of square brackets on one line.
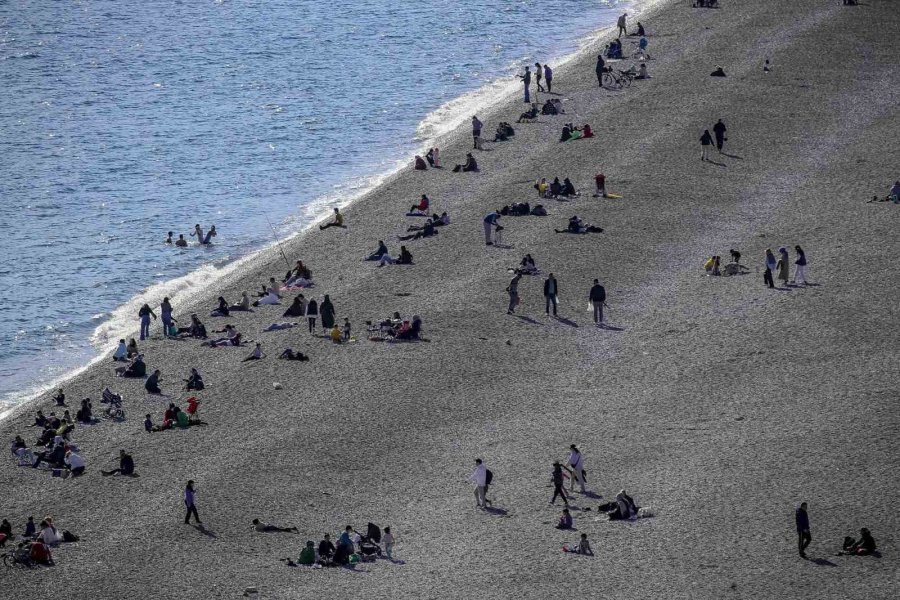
[(716, 401), (504, 88)]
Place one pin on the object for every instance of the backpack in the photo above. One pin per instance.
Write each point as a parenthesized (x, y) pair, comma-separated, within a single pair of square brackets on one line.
[(488, 477), (68, 536)]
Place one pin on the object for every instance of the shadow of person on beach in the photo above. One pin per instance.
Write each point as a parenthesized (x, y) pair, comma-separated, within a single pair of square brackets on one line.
[(207, 532), (527, 319), (496, 510), (822, 562), (566, 321), (610, 328), (732, 156), (718, 164)]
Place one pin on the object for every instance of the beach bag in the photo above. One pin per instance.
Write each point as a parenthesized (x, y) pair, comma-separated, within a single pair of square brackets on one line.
[(68, 536), (488, 477)]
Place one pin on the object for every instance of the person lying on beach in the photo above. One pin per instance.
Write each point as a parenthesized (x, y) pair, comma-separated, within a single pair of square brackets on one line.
[(243, 305), (126, 466), (428, 230), (235, 340), (222, 310), (266, 527), (381, 251), (436, 221), (565, 521), (538, 211), (270, 299), (530, 114), (152, 383), (516, 209), (194, 381), (405, 258), (297, 307), (280, 326), (257, 353), (419, 164), (420, 208), (469, 166), (289, 354), (121, 353), (136, 368), (577, 226), (338, 220)]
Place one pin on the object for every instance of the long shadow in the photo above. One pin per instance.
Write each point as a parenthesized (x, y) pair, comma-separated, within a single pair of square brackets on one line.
[(733, 156), (566, 321), (823, 562), (611, 328), (207, 532), (527, 319), (718, 164), (501, 512)]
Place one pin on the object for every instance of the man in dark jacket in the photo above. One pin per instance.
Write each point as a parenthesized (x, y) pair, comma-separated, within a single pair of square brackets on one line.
[(803, 535), (126, 465), (551, 289), (597, 298), (719, 129), (526, 79), (601, 69)]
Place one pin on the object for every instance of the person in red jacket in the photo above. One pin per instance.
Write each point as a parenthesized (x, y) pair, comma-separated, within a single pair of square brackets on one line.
[(600, 180)]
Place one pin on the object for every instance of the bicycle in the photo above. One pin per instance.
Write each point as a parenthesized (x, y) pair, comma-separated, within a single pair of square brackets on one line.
[(17, 558), (612, 80), (627, 77)]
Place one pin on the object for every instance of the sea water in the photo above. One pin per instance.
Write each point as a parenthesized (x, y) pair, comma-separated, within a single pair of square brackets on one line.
[(121, 121)]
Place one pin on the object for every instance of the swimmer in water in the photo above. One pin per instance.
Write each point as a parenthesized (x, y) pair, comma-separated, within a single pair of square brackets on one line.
[(181, 242), (209, 235), (169, 239), (198, 232)]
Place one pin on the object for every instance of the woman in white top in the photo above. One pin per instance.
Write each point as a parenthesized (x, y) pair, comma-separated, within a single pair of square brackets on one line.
[(121, 352)]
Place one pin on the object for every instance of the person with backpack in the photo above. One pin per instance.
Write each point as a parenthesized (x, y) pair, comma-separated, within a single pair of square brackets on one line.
[(597, 298), (479, 478)]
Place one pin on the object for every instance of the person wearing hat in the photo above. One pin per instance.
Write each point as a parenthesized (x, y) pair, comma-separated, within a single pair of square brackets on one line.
[(576, 464)]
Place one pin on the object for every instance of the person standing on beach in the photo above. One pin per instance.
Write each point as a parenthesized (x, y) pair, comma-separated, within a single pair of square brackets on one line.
[(548, 77), (576, 463), (804, 537), (800, 266), (705, 142), (326, 311), (165, 311), (770, 267), (189, 504), (476, 132), (538, 73), (600, 180), (312, 313), (526, 79), (145, 313), (719, 129), (601, 69), (479, 479), (621, 25), (597, 297), (551, 290), (783, 266), (513, 290), (490, 222)]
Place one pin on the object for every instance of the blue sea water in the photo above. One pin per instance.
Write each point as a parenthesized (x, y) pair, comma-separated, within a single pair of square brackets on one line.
[(122, 121)]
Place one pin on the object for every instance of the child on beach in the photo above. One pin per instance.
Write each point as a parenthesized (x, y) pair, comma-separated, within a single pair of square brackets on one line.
[(388, 540), (346, 331)]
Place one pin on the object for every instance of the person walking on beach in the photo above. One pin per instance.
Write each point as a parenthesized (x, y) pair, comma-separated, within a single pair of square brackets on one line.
[(597, 298), (551, 290), (576, 464), (312, 313), (601, 69), (490, 222), (800, 266), (479, 479), (189, 504), (526, 79), (804, 537), (476, 132), (719, 129), (705, 142), (620, 23), (558, 481), (145, 313), (513, 290), (548, 77), (783, 266), (538, 73), (770, 267)]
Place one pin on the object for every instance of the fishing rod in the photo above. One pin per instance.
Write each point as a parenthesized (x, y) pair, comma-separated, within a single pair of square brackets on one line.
[(277, 243)]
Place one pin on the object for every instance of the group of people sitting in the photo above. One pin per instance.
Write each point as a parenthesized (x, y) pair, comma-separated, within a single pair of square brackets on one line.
[(175, 417), (469, 166), (713, 265), (60, 452), (555, 189), (523, 209), (614, 49), (622, 508), (34, 548), (504, 132), (715, 3), (352, 547), (433, 156), (396, 328), (298, 277), (571, 132), (231, 338), (553, 106), (576, 225)]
